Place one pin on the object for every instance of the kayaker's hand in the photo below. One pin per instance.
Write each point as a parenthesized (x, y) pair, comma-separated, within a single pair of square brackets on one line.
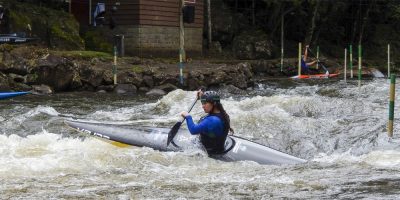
[(184, 114), (199, 93)]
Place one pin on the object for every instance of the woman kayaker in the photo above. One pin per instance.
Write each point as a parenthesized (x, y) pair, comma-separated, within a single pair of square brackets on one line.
[(306, 64), (310, 67), (214, 127)]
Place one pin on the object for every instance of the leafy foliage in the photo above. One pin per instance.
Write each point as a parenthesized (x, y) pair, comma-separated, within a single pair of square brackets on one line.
[(333, 23)]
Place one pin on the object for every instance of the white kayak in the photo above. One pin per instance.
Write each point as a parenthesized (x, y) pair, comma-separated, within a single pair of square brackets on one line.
[(236, 148)]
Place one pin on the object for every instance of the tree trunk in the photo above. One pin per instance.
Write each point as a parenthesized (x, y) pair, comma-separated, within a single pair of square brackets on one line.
[(364, 22), (253, 10), (355, 22), (209, 23), (311, 30), (275, 18)]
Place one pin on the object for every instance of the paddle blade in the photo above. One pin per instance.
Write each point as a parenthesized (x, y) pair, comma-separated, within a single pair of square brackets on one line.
[(173, 132)]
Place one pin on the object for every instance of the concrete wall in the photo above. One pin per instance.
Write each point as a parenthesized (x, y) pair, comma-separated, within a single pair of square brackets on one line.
[(149, 41)]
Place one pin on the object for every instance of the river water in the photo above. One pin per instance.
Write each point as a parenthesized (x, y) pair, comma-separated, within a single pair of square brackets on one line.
[(338, 127)]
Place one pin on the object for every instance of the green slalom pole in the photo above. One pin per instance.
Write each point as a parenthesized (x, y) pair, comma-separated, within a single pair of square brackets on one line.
[(388, 60), (351, 60), (317, 57), (299, 69), (391, 104), (114, 69)]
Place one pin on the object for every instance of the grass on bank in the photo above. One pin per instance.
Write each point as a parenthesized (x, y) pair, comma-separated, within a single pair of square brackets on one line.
[(84, 54)]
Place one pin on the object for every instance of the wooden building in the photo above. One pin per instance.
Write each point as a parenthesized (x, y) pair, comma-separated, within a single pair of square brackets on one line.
[(150, 27)]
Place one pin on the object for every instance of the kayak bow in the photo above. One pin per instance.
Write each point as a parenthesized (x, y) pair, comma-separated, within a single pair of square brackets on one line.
[(6, 95)]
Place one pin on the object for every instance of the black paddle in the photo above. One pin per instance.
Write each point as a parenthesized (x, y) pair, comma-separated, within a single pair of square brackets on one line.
[(322, 65), (176, 127)]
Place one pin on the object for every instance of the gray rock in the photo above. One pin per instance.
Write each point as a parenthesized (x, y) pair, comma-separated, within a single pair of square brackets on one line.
[(230, 89), (263, 66), (41, 89), (144, 89), (93, 75), (76, 82), (107, 88), (156, 92), (148, 81), (168, 87), (246, 69), (125, 89), (56, 72), (130, 78), (240, 81)]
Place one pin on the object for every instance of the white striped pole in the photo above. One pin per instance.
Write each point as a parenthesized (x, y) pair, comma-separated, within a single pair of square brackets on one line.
[(345, 64), (359, 64), (351, 61), (388, 61)]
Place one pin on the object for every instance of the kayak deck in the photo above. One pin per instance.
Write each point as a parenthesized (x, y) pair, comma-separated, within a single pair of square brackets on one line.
[(236, 148), (314, 76)]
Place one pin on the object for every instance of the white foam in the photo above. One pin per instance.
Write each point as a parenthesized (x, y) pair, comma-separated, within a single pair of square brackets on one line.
[(45, 152), (389, 159), (383, 159), (16, 119), (345, 157)]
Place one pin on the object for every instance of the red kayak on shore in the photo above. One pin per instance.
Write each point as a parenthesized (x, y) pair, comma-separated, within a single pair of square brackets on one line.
[(314, 76)]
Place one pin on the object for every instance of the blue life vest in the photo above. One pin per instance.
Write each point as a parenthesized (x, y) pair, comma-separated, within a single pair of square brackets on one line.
[(304, 66), (212, 132)]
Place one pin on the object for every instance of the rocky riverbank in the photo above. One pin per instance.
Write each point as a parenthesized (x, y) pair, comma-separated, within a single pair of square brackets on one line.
[(44, 71), (38, 69)]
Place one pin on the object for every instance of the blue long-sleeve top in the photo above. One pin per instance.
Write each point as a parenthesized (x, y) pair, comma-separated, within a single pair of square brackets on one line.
[(211, 125), (303, 64)]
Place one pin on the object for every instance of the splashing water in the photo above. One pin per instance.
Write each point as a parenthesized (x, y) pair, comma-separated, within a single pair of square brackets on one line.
[(339, 128)]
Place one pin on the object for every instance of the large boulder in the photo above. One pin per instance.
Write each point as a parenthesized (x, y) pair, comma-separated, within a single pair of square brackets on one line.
[(93, 76), (130, 78), (55, 71), (217, 78), (195, 80), (148, 81)]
